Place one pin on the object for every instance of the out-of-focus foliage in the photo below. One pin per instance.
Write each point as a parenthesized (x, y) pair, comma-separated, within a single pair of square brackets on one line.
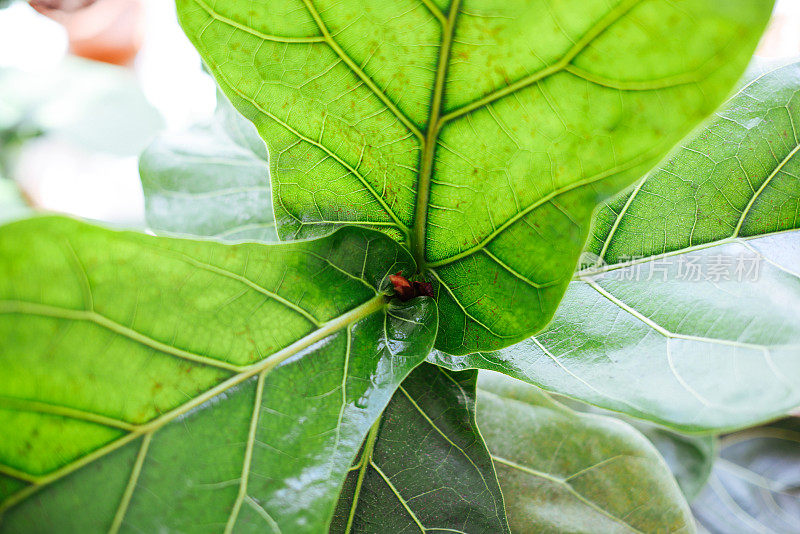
[(92, 105), (755, 485)]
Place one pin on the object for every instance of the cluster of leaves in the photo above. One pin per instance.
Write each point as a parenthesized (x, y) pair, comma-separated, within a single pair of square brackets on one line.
[(230, 381)]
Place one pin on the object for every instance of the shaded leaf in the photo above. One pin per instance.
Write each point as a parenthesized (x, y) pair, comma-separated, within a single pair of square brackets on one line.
[(563, 471), (692, 321), (212, 180), (690, 458), (163, 384), (481, 134), (424, 467), (755, 486)]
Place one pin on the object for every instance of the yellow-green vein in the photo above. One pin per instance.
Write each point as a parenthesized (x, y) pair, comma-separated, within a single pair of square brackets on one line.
[(223, 80), (44, 310), (275, 38), (566, 485), (606, 22), (26, 405), (248, 454), (359, 72), (399, 497), (364, 462), (122, 509)]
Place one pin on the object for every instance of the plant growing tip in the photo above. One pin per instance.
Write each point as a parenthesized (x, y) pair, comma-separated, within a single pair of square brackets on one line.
[(406, 290)]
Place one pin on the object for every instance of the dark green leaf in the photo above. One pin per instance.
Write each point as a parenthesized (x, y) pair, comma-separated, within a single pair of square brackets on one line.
[(564, 471), (693, 322), (755, 486), (480, 133), (424, 467), (154, 384)]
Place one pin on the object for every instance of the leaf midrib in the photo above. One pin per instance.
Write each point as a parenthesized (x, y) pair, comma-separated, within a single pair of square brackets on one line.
[(437, 122), (366, 460), (264, 366), (363, 463), (420, 221)]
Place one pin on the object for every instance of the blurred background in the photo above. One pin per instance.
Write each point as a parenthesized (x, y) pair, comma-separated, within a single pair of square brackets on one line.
[(85, 85)]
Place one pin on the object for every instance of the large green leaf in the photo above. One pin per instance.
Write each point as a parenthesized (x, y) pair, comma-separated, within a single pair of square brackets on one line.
[(425, 466), (161, 384), (480, 133), (692, 321), (755, 486), (212, 180), (564, 471)]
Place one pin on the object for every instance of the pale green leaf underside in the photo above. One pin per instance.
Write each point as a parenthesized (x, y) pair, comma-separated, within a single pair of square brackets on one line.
[(425, 468), (191, 386), (480, 133), (754, 484), (563, 471), (211, 180), (692, 322)]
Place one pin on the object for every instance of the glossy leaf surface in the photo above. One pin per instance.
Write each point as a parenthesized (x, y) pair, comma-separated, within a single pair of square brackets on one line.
[(425, 467), (480, 133), (755, 486), (564, 471), (692, 320), (210, 181), (163, 384)]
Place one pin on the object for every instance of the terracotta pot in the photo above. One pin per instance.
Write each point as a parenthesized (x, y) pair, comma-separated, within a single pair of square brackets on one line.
[(103, 30)]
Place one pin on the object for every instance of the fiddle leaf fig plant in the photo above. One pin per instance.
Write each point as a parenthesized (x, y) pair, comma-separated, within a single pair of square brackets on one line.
[(391, 196), (480, 134)]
